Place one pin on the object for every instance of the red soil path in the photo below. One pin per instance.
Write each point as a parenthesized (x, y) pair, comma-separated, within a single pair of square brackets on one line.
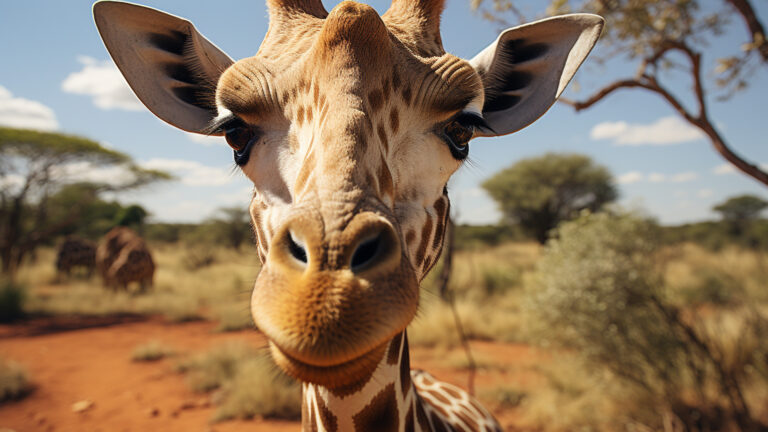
[(94, 364)]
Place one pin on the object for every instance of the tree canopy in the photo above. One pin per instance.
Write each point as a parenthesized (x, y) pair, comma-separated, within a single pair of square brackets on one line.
[(741, 208), (539, 193), (50, 181)]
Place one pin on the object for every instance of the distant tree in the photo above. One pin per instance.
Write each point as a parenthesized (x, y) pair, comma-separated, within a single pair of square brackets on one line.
[(38, 171), (741, 208), (234, 224), (131, 216), (740, 211), (539, 193), (664, 36), (237, 225)]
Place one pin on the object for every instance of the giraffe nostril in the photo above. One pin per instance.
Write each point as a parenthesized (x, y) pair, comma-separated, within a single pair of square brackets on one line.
[(366, 252), (296, 250)]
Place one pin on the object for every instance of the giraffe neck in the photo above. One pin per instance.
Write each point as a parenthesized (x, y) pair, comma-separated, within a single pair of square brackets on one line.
[(385, 401), (394, 399)]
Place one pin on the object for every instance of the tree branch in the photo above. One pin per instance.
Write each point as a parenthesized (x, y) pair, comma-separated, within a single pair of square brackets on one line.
[(701, 121), (754, 26)]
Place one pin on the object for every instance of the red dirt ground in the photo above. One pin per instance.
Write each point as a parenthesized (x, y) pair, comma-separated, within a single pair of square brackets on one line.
[(95, 364)]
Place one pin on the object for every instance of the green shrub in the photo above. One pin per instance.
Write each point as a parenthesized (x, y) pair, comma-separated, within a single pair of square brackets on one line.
[(14, 381), (12, 297), (598, 291), (498, 280)]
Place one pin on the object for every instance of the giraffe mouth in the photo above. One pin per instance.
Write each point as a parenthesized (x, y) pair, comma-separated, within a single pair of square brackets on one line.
[(332, 376)]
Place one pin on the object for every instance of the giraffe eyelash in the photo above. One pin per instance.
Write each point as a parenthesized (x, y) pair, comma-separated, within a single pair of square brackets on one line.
[(218, 125)]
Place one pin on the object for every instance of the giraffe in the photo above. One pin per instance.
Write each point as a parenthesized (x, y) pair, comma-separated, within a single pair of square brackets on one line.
[(110, 246), (349, 124), (133, 263), (123, 257), (76, 252)]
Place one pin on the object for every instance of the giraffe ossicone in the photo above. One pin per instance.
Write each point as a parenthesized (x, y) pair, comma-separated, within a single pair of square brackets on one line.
[(349, 124)]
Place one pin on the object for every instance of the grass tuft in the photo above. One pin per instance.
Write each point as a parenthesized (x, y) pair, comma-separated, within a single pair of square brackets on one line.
[(151, 351), (250, 383), (14, 381)]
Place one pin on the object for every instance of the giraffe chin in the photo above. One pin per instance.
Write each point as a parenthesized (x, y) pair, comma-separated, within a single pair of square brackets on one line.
[(332, 377)]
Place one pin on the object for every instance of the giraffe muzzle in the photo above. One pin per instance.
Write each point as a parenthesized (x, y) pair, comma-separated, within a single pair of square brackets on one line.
[(330, 303)]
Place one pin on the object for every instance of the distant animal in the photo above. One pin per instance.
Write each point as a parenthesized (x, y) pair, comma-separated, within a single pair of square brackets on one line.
[(110, 246), (134, 263), (123, 257), (76, 252)]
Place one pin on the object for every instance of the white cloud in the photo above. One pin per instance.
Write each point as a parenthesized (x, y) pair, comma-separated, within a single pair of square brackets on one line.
[(88, 172), (705, 193), (727, 168), (723, 169), (683, 177), (102, 81), (630, 177), (192, 173), (637, 176), (24, 113), (664, 131), (206, 140)]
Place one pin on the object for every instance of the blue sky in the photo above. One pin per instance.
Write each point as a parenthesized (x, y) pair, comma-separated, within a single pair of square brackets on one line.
[(55, 74)]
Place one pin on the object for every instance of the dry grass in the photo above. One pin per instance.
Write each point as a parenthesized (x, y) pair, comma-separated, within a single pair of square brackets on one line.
[(151, 351), (14, 381), (248, 380), (731, 275), (178, 294)]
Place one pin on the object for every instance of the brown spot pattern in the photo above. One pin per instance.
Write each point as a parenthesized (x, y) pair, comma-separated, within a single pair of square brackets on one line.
[(410, 236), (426, 232), (441, 211), (407, 93), (382, 135), (394, 349), (405, 369), (470, 422), (438, 424), (421, 416), (394, 120), (326, 416), (375, 100), (386, 184), (380, 415), (409, 427)]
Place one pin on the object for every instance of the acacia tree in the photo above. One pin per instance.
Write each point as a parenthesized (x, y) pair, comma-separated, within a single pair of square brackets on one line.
[(664, 35), (539, 193), (740, 211), (34, 166)]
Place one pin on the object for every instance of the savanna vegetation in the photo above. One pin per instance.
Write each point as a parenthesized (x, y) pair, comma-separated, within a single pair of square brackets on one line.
[(657, 328)]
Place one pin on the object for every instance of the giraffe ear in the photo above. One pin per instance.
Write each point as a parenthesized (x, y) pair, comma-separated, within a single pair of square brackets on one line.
[(527, 68), (171, 67)]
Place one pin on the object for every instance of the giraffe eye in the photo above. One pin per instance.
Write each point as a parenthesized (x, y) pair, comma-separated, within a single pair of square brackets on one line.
[(457, 134), (240, 137)]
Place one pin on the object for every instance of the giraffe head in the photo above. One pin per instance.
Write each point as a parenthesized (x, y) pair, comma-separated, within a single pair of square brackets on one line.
[(349, 124)]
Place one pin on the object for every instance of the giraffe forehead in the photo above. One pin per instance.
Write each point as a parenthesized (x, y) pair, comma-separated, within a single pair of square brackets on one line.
[(352, 52)]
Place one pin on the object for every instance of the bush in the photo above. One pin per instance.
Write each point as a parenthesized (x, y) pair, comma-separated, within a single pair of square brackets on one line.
[(12, 297), (14, 381), (598, 290)]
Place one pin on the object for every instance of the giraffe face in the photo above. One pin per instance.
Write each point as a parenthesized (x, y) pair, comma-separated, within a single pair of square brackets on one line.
[(349, 147), (349, 124)]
